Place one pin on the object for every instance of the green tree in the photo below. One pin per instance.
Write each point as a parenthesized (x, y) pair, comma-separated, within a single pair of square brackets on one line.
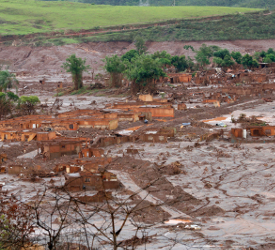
[(270, 51), (76, 66), (204, 53), (227, 62), (202, 59), (140, 45), (179, 62), (163, 56), (257, 56), (262, 54), (129, 55), (237, 56), (7, 80), (190, 64), (187, 47), (269, 58), (12, 96), (28, 104), (249, 62), (143, 71), (218, 61), (115, 67), (221, 53)]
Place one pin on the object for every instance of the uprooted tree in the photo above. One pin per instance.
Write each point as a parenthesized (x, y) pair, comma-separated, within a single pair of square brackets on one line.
[(76, 66), (143, 72), (115, 67)]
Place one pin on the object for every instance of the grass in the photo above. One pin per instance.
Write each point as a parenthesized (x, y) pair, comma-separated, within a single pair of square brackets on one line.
[(18, 17)]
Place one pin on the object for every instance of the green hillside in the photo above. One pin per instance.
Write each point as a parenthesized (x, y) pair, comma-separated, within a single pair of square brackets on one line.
[(230, 3), (20, 17)]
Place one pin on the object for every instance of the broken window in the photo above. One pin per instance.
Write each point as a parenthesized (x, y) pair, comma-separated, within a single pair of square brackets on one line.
[(63, 146), (256, 132), (87, 180)]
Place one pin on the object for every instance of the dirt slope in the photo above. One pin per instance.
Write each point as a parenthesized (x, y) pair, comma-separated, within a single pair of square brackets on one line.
[(48, 60)]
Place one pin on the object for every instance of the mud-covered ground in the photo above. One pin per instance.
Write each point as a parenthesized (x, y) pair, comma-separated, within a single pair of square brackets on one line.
[(225, 188)]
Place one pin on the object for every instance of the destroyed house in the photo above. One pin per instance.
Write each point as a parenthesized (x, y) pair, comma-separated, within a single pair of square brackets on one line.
[(179, 77), (68, 168), (91, 152), (26, 135), (56, 149), (83, 181), (262, 131), (157, 110), (93, 164)]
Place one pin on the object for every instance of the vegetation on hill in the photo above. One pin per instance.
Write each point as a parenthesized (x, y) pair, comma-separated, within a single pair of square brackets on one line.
[(249, 26), (231, 3), (29, 16)]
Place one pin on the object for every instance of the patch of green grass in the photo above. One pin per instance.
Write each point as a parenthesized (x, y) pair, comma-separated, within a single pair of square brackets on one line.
[(30, 16)]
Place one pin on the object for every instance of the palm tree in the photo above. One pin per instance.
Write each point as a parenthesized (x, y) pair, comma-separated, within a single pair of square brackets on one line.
[(7, 80)]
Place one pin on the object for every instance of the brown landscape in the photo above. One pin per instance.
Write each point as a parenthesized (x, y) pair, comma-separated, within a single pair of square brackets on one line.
[(186, 166)]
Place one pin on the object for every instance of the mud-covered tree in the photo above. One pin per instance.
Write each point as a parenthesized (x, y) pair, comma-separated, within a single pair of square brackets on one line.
[(7, 80), (28, 104), (76, 66), (143, 72), (7, 103), (115, 66)]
